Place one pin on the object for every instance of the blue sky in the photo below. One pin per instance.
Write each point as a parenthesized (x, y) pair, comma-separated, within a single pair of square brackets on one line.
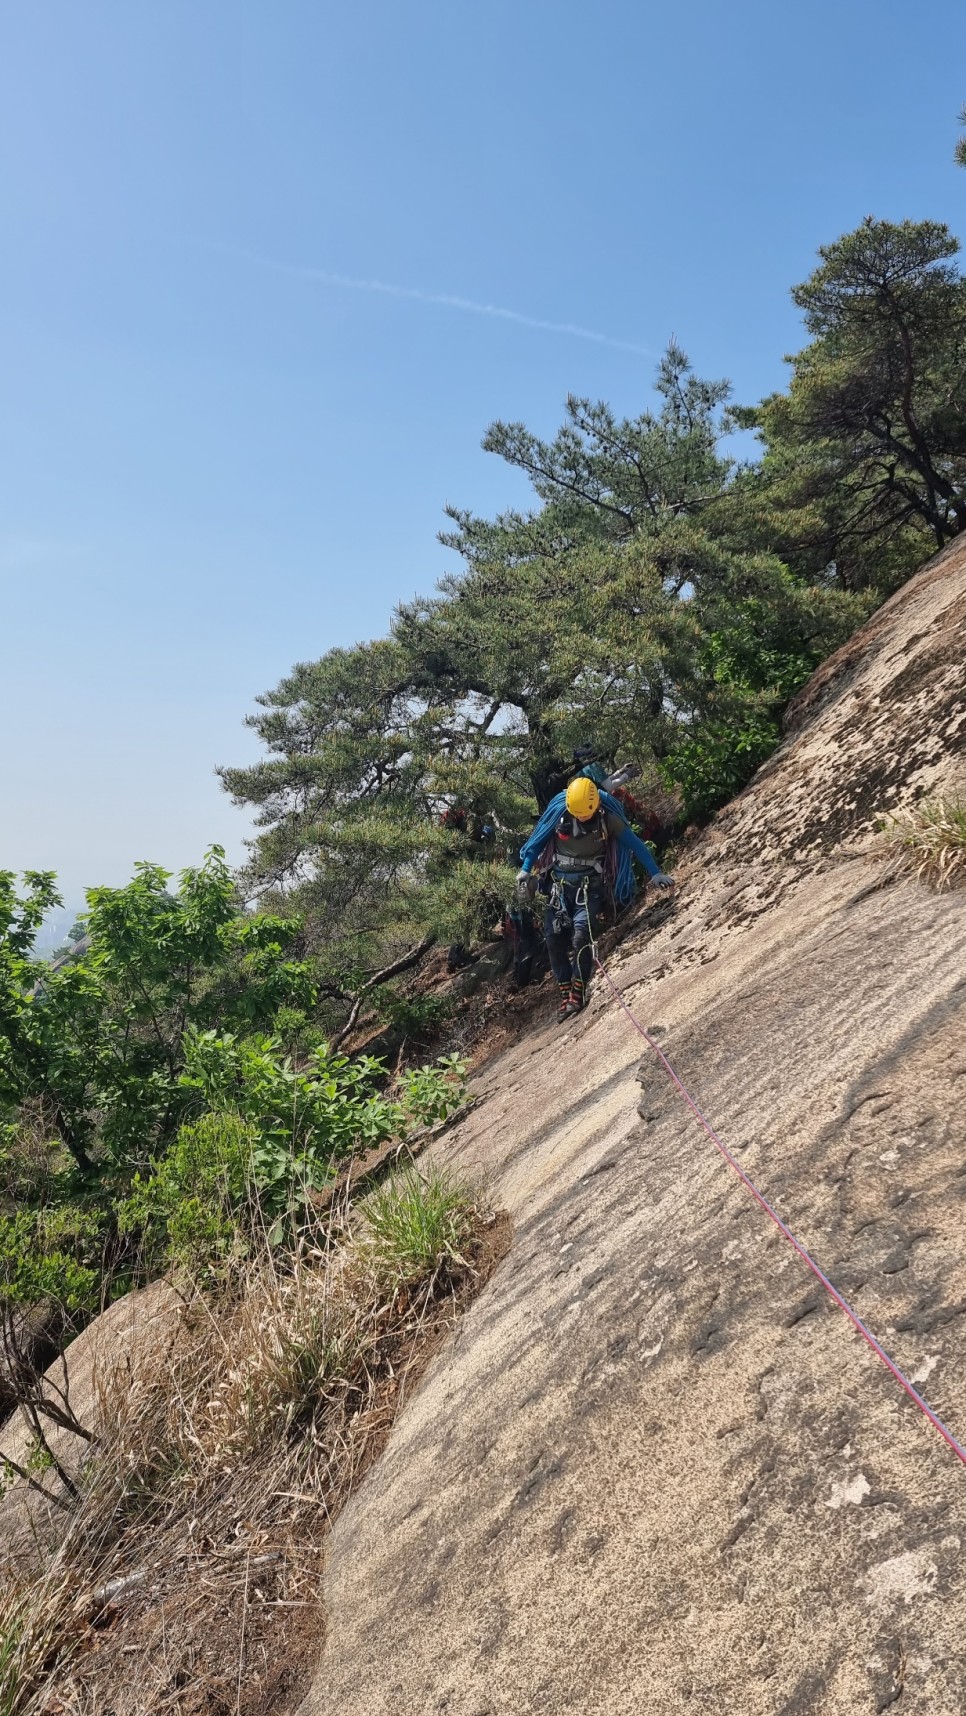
[(256, 264)]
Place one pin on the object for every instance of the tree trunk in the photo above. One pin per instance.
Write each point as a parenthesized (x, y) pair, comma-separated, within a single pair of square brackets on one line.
[(74, 1144)]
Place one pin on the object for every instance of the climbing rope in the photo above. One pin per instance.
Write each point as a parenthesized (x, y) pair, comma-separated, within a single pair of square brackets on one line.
[(782, 1226)]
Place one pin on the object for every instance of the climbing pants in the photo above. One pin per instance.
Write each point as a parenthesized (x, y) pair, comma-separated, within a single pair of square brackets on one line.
[(569, 945)]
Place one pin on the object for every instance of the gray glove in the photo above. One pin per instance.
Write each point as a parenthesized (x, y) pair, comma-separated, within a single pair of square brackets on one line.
[(661, 881), (526, 883)]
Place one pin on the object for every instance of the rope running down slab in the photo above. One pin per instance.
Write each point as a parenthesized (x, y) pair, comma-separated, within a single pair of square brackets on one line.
[(782, 1226)]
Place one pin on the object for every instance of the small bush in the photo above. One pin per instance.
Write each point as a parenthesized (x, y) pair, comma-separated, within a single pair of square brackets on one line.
[(51, 1257), (307, 1120), (430, 1094), (196, 1208), (927, 841), (714, 762), (417, 1224), (418, 1016), (231, 1176)]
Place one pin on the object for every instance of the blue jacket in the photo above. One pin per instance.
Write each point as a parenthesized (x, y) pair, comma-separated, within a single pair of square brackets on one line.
[(628, 845)]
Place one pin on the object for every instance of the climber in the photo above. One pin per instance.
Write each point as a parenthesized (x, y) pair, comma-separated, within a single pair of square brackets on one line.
[(582, 847)]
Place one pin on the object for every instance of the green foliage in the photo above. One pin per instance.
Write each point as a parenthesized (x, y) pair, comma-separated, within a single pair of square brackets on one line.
[(305, 1120), (100, 1041), (718, 759), (148, 1115), (270, 1135), (713, 758), (430, 1094), (197, 1207), (417, 1223), (50, 1257), (417, 1015), (865, 455)]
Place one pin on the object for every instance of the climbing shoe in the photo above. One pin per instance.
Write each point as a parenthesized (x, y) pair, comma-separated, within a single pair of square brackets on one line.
[(566, 1002)]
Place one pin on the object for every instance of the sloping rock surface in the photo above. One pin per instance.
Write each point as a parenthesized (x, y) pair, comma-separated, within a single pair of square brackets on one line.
[(122, 1346), (657, 1471)]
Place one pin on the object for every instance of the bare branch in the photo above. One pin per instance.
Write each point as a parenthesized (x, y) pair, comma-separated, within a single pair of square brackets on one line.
[(397, 967)]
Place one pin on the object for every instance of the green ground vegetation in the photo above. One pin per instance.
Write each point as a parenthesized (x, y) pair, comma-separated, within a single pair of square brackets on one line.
[(167, 1096)]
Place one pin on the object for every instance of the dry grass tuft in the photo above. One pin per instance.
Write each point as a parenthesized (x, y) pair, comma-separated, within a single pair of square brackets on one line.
[(188, 1577), (927, 841)]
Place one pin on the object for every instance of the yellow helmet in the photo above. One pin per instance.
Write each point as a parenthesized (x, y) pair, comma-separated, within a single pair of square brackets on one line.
[(583, 799)]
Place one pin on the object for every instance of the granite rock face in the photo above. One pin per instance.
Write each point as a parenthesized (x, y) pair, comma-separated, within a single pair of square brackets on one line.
[(657, 1471), (124, 1347)]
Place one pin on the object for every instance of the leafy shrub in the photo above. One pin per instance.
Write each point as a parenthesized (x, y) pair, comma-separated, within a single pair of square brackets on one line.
[(304, 1121), (717, 760), (418, 1016), (750, 674), (196, 1208), (271, 1134), (432, 1093), (51, 1257)]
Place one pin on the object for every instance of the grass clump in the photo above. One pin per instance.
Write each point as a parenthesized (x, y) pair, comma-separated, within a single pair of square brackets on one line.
[(927, 841), (418, 1224)]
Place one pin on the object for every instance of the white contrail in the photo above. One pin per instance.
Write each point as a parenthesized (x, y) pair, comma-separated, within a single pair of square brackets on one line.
[(446, 300)]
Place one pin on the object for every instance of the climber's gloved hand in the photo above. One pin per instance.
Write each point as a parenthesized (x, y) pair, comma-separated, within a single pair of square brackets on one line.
[(662, 881), (525, 885)]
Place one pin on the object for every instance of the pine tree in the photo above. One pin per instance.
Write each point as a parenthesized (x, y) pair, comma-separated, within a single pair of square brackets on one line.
[(865, 465)]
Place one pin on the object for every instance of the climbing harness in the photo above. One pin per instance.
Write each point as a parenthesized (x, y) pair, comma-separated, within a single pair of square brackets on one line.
[(773, 1215)]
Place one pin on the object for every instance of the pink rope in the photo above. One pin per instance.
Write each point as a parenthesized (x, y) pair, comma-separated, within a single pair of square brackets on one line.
[(805, 1255)]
